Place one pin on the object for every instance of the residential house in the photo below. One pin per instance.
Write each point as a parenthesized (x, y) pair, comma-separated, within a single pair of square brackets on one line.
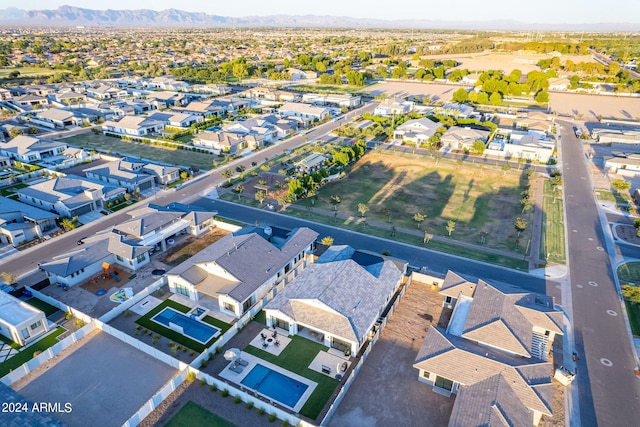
[(165, 83), (130, 125), (163, 175), (339, 299), (244, 267), (559, 84), (332, 99), (20, 322), (69, 196), (21, 223), (200, 221), (311, 163), (104, 92), (168, 99), (271, 94), (177, 120), (129, 175), (610, 136), (210, 89), (29, 149), (393, 106), (56, 118), (70, 97), (304, 110), (5, 94), (5, 163), (514, 144), (462, 138), (29, 100), (222, 142), (417, 130), (493, 353), (459, 111), (202, 109)]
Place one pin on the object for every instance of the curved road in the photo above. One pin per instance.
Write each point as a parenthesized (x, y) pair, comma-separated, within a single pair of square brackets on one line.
[(608, 390)]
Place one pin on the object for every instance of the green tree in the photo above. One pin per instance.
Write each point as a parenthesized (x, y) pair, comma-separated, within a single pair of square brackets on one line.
[(9, 278), (419, 218), (478, 147), (542, 96), (295, 187), (451, 226), (520, 225), (260, 196), (335, 201), (506, 167), (527, 204), (13, 132), (227, 174), (363, 209), (238, 189), (460, 95), (495, 99), (620, 184), (556, 181), (68, 224)]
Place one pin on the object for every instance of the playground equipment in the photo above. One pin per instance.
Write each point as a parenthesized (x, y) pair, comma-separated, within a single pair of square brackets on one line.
[(108, 270)]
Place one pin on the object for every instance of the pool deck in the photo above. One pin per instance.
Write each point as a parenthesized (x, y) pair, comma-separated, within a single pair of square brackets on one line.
[(237, 377), (282, 338)]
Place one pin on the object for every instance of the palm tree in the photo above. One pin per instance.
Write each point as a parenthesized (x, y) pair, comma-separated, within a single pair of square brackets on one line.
[(67, 224), (520, 225), (419, 218), (451, 226), (327, 241), (9, 278), (335, 200), (363, 209), (239, 189)]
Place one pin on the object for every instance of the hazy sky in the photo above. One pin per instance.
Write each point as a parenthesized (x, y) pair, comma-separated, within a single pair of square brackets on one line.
[(538, 11)]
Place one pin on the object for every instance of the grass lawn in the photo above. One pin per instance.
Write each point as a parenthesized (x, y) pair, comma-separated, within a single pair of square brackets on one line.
[(296, 357), (179, 253), (29, 72), (47, 308), (146, 322), (552, 241), (122, 205), (610, 196), (194, 415), (629, 272), (633, 311), (480, 199), (27, 354), (145, 151), (7, 191)]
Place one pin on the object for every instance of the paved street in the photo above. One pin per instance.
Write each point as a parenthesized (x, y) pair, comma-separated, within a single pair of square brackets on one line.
[(608, 391)]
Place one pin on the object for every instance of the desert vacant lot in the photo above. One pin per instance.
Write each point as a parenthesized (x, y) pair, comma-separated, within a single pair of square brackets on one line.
[(28, 72), (589, 107), (504, 61), (399, 185), (145, 151)]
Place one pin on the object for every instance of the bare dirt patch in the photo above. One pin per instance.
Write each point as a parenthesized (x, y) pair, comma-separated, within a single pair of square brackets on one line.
[(190, 246), (628, 233), (102, 281)]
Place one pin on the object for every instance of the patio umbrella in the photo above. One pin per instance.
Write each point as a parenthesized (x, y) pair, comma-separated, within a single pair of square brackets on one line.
[(232, 354)]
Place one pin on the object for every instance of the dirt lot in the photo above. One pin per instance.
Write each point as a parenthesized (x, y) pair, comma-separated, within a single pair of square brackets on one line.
[(386, 391), (435, 91), (504, 61), (589, 107), (100, 281)]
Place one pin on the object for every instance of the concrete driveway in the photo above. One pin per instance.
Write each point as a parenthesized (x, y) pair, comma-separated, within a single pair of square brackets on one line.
[(386, 391)]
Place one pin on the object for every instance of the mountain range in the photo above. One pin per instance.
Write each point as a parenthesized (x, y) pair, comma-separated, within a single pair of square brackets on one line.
[(69, 16)]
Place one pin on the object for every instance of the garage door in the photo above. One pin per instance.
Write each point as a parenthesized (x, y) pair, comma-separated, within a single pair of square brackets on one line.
[(146, 185), (82, 210)]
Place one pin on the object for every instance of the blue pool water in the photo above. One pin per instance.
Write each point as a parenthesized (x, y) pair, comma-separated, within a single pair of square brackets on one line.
[(192, 328), (277, 386)]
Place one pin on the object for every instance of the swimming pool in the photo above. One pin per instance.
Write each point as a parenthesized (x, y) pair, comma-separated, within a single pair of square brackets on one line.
[(275, 385), (192, 328)]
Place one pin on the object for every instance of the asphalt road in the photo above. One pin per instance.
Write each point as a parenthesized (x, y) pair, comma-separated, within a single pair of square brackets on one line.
[(608, 390), (26, 261)]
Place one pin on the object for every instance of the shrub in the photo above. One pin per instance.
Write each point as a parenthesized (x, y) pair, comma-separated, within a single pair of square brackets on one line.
[(203, 382), (36, 353), (192, 352), (191, 376), (171, 344), (237, 399), (248, 405), (218, 349), (260, 411), (184, 349), (213, 387), (285, 423), (203, 364), (225, 393), (272, 418)]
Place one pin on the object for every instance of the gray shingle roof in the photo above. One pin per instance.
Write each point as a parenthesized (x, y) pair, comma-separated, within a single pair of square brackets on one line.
[(339, 295), (145, 220), (9, 205), (454, 285), (249, 258)]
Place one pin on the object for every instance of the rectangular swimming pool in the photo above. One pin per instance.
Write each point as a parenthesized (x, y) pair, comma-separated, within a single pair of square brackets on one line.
[(275, 385), (192, 328)]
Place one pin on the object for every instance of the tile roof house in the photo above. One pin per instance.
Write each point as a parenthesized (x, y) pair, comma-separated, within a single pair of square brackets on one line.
[(22, 223), (416, 130), (121, 173), (461, 138), (390, 107), (338, 299), (30, 149), (133, 125), (222, 142), (493, 354), (69, 196), (240, 269), (304, 110)]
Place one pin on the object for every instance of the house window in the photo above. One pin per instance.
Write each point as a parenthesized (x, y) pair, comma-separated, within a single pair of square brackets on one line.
[(426, 374), (282, 324), (444, 383), (182, 290), (229, 306), (25, 333), (119, 258), (36, 325), (247, 304), (141, 258), (448, 299)]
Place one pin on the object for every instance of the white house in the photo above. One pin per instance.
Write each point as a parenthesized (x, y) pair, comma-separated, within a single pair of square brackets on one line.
[(20, 322), (417, 130), (513, 144), (393, 106), (337, 300), (240, 269), (461, 138), (21, 223), (133, 125), (304, 110), (29, 149)]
